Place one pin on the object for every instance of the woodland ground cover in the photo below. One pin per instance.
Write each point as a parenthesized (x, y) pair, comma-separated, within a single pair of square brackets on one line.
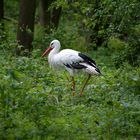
[(37, 103)]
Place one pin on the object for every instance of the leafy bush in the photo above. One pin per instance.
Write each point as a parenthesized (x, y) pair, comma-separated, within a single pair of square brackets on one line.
[(126, 50), (101, 20)]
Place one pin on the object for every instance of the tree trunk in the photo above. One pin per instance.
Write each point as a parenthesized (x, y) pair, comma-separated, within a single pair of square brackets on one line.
[(55, 17), (2, 36), (26, 25), (45, 13), (49, 19), (1, 10)]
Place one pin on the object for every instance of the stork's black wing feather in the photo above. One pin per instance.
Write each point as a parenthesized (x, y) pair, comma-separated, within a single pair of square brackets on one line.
[(78, 66), (87, 59), (67, 65), (97, 70), (75, 66)]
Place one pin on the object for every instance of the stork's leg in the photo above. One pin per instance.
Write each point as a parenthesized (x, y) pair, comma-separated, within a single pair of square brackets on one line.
[(82, 89), (73, 86)]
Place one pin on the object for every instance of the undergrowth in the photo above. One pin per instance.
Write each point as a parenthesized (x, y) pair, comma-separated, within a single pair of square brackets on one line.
[(36, 102)]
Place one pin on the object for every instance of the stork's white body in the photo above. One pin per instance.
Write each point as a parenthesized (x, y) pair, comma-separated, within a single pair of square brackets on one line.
[(66, 56), (58, 60), (71, 60)]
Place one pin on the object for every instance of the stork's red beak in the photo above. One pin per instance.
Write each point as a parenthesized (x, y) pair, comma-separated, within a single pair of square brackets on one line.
[(47, 51)]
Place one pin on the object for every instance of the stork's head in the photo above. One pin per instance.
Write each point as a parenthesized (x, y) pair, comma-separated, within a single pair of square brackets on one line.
[(54, 45)]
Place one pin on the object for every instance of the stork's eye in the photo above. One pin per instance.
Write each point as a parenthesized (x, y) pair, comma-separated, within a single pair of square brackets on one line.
[(51, 44)]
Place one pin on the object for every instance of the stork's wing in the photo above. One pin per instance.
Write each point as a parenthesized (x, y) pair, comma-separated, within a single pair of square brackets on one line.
[(74, 59), (87, 59)]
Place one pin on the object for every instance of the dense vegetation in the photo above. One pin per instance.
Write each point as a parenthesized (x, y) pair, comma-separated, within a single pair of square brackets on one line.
[(37, 103)]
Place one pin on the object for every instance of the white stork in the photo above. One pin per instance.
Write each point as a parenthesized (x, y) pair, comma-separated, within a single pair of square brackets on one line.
[(73, 61)]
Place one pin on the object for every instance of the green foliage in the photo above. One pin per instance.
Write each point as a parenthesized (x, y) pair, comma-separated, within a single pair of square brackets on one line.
[(126, 50), (116, 44), (68, 35), (101, 20), (11, 5), (37, 103)]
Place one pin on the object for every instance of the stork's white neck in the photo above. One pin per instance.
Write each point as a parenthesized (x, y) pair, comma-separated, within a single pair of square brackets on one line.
[(53, 52)]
